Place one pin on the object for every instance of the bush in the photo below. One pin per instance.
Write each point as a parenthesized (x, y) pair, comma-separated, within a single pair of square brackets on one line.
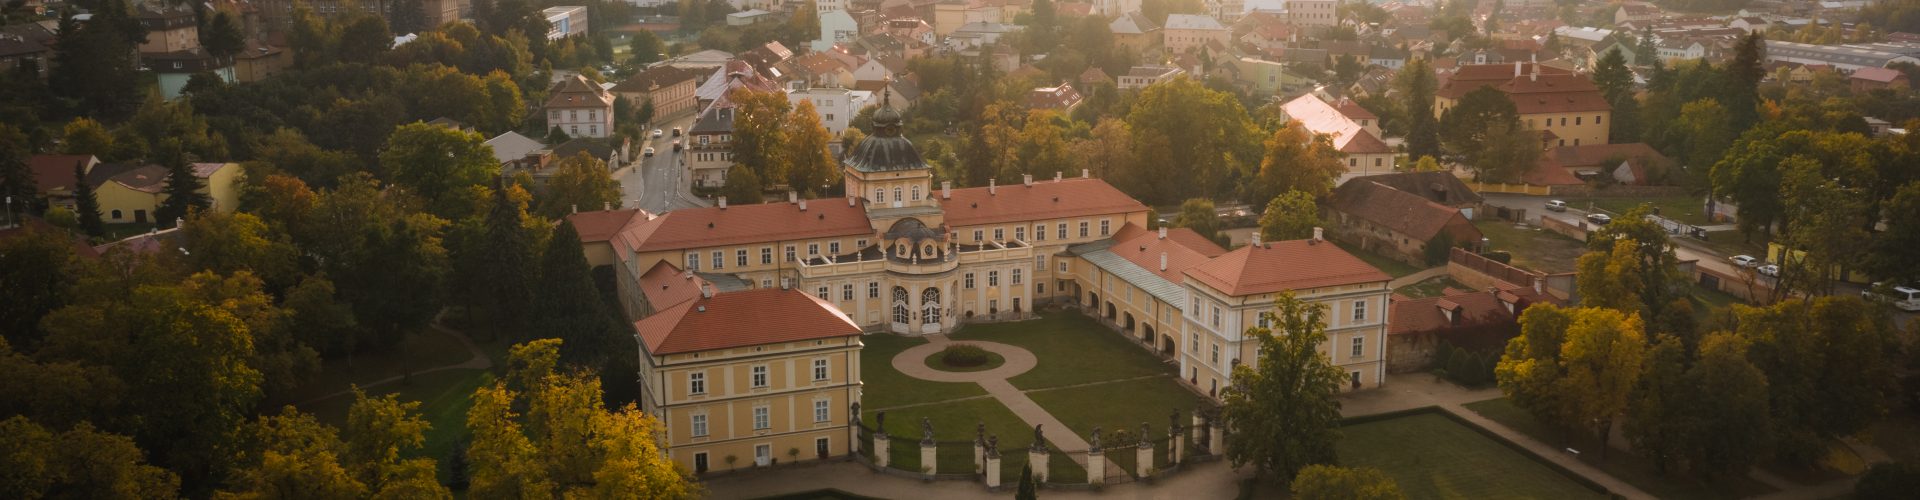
[(962, 355), (1464, 366), (1888, 480)]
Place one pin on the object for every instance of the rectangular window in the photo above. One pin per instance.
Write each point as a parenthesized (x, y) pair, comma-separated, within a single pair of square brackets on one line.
[(1040, 263), (1216, 355), (1040, 232), (820, 412), (1015, 276), (846, 292), (761, 418), (719, 259), (1193, 343), (1106, 227), (820, 369), (1040, 287), (873, 289), (1359, 345), (1576, 120), (833, 248), (1359, 311), (993, 278), (813, 250), (740, 257), (1596, 119), (693, 262), (766, 255), (860, 244), (699, 426), (1020, 233), (790, 253), (1063, 267), (697, 383), (822, 293), (1083, 229), (1063, 230), (969, 280), (1216, 316), (999, 234), (760, 376)]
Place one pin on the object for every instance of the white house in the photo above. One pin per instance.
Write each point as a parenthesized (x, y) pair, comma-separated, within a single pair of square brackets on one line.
[(836, 106), (565, 21), (836, 26), (871, 70)]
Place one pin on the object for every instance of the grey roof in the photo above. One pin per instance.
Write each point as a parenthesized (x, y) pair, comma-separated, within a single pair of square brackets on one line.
[(1193, 22), (1132, 23), (1097, 253), (512, 146), (723, 283)]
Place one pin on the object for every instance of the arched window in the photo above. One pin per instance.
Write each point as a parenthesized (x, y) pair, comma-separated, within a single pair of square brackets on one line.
[(901, 312), (896, 193), (116, 215), (879, 195), (916, 192), (930, 306)]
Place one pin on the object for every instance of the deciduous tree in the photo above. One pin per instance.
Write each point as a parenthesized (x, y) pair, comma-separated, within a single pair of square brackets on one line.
[(440, 164), (1199, 215), (1204, 131), (810, 165), (1290, 216), (1296, 160), (1282, 407), (581, 182), (1827, 365), (1326, 482), (79, 463)]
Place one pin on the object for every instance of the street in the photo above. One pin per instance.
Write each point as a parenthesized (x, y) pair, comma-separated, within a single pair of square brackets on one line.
[(1536, 207), (659, 184)]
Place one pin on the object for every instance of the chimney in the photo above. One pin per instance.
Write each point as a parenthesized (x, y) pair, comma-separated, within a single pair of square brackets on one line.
[(1026, 179), (803, 205), (793, 196), (1163, 232), (723, 202), (991, 189), (946, 190), (1535, 75), (1538, 284), (1319, 234), (606, 205), (1056, 176), (574, 208), (1516, 69), (1256, 239), (850, 202), (1163, 261), (706, 290), (1085, 174)]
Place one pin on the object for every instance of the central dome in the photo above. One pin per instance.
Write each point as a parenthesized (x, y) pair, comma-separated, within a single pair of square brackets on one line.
[(886, 150)]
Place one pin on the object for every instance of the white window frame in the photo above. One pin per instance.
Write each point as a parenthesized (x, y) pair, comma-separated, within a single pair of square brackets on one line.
[(822, 410), (760, 377), (1359, 311), (696, 383), (1359, 346), (699, 425), (820, 369), (762, 418)]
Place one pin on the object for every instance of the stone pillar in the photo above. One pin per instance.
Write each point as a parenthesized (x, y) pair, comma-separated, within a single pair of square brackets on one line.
[(993, 471), (1143, 459), (928, 458), (881, 450), (979, 456), (1096, 466), (1216, 439), (1193, 433), (1176, 445), (1037, 458)]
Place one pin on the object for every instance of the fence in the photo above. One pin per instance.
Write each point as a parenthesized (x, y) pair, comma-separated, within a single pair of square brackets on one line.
[(1480, 272), (1487, 187), (1750, 288), (1576, 230), (964, 460)]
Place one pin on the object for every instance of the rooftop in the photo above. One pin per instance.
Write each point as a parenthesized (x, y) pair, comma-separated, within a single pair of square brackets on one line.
[(1048, 199), (742, 319), (1284, 265)]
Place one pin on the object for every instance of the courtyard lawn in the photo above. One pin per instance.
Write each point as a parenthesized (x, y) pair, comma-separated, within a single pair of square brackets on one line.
[(954, 426), (1533, 248), (1392, 267), (1147, 400), (1072, 348), (888, 388), (1686, 209), (1619, 463), (1432, 456), (1431, 287)]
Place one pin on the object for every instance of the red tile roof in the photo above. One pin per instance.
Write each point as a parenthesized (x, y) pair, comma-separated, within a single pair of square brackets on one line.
[(1402, 212), (1284, 265), (1425, 315), (1882, 75), (56, 171), (739, 224), (1587, 155), (601, 225), (1047, 199), (666, 286), (1183, 247), (1471, 77), (741, 319)]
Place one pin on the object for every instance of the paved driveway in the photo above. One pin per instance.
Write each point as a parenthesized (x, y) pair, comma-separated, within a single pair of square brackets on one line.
[(660, 184)]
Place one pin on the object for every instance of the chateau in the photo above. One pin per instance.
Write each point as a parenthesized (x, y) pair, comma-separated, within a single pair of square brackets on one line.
[(898, 255)]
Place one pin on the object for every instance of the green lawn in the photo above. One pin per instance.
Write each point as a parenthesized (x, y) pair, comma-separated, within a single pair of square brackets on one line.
[(955, 422), (1432, 456), (1392, 267), (1533, 248), (1621, 464), (888, 388), (1705, 302), (443, 396), (1073, 349), (1685, 208), (1148, 400), (427, 349), (1431, 287)]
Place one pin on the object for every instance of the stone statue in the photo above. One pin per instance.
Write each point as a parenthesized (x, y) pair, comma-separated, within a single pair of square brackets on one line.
[(926, 428), (1096, 437), (1038, 437), (1143, 432), (980, 431), (856, 410), (993, 445)]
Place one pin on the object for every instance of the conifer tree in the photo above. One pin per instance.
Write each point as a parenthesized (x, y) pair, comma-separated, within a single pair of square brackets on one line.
[(570, 308), (88, 204), (183, 188)]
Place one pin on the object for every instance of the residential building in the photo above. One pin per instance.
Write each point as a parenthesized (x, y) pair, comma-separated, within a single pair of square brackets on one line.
[(1110, 8), (670, 89), (749, 374), (750, 16), (976, 34), (1354, 131), (1139, 77), (580, 108), (836, 26), (565, 21), (55, 179), (1400, 225), (1189, 32), (26, 45), (1635, 12), (1315, 13), (518, 152), (1060, 98), (1134, 30), (1632, 163), (836, 106), (1751, 24), (1476, 320), (1842, 57), (132, 192), (172, 48), (1865, 79), (1226, 11), (1548, 98), (709, 143), (897, 255)]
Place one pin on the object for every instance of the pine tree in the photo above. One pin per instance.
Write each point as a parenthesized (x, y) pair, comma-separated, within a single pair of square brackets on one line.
[(569, 306), (506, 254), (1743, 97), (1423, 129), (1027, 489), (16, 180), (183, 189), (88, 204)]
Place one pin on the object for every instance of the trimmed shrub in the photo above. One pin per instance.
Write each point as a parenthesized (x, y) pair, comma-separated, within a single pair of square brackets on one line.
[(962, 355)]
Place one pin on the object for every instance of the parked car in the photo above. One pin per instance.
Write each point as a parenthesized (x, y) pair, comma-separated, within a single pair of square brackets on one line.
[(1556, 206), (1745, 260), (1770, 270), (656, 133), (676, 131), (676, 146), (648, 152), (1599, 219), (1904, 298)]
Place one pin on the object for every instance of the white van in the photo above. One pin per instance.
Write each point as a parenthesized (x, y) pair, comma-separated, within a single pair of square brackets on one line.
[(1905, 298)]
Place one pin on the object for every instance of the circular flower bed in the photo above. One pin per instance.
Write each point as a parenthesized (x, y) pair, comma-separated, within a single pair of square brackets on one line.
[(965, 358)]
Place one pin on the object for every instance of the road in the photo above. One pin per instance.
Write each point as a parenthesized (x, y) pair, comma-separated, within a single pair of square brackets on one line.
[(659, 184)]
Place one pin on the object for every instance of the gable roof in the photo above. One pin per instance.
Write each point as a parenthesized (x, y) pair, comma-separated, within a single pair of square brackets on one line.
[(656, 77), (1587, 155), (577, 92), (1284, 265), (512, 146), (1882, 75), (1049, 199), (601, 225), (1336, 121), (741, 319), (51, 172), (665, 285), (740, 224), (1438, 187), (1132, 23), (1193, 22), (1426, 314), (1405, 213)]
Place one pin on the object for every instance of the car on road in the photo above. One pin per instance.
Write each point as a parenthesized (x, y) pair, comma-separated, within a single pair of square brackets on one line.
[(1556, 206), (656, 133), (676, 131), (1904, 298), (1744, 260), (648, 152), (676, 146), (1770, 270), (1599, 219)]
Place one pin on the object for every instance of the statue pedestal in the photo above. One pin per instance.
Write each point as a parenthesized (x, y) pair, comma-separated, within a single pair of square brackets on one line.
[(1096, 467), (881, 450), (1216, 440), (1143, 460), (928, 458), (1038, 460), (993, 472), (979, 457)]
